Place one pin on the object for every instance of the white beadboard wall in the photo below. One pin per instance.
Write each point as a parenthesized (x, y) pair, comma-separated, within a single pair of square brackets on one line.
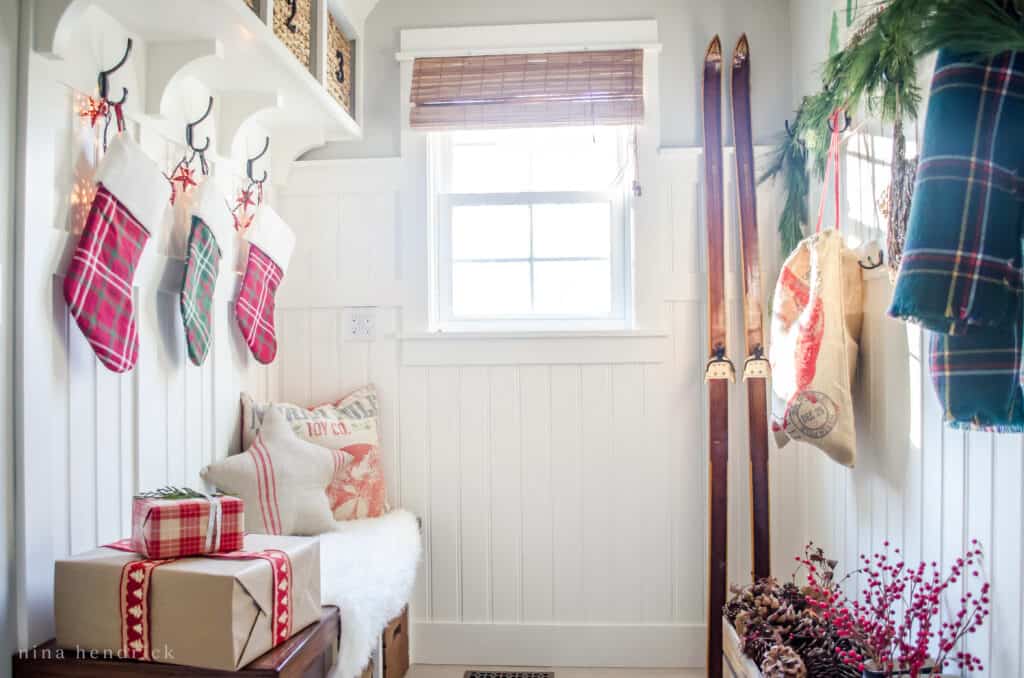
[(924, 487), (86, 438), (917, 483), (563, 499)]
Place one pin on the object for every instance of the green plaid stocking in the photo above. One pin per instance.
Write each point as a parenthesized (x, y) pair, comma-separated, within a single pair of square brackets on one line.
[(201, 265)]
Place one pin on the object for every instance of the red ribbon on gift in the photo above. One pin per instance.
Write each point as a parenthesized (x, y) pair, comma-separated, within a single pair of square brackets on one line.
[(134, 596)]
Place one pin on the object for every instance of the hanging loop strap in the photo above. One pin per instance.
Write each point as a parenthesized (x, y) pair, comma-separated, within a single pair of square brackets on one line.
[(832, 164)]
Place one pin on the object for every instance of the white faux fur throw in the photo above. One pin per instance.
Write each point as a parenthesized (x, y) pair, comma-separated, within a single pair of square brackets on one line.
[(367, 569)]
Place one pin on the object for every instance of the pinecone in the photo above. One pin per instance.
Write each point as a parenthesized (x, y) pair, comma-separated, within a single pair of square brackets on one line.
[(783, 619), (823, 662), (809, 633), (733, 609), (791, 595), (758, 639), (783, 662)]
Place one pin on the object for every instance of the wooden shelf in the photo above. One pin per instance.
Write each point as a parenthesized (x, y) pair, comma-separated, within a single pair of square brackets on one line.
[(223, 45)]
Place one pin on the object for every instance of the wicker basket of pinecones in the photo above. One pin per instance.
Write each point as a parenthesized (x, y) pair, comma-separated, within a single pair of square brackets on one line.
[(783, 635)]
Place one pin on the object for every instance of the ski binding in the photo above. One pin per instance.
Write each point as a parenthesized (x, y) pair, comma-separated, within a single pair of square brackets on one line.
[(756, 366), (720, 367)]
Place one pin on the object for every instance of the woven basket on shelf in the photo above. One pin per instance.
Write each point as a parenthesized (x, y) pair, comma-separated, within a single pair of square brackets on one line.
[(254, 5), (339, 63), (293, 25)]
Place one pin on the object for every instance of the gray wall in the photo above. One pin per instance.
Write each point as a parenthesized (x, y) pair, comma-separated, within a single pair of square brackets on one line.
[(685, 27), (9, 26)]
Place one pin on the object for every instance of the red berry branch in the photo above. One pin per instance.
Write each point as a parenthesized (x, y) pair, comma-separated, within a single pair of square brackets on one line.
[(899, 619)]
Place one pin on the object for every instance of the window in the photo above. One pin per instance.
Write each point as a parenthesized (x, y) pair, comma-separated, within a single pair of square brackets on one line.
[(532, 228)]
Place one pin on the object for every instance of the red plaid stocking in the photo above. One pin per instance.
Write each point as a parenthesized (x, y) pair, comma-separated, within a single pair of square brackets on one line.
[(270, 247), (129, 204)]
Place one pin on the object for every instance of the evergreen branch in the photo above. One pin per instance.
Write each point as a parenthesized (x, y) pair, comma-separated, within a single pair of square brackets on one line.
[(981, 28), (877, 71), (170, 492)]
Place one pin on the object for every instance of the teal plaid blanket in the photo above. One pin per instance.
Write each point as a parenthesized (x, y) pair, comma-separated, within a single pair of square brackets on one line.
[(961, 272)]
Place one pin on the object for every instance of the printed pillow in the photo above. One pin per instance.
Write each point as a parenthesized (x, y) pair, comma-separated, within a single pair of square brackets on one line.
[(282, 480), (348, 428)]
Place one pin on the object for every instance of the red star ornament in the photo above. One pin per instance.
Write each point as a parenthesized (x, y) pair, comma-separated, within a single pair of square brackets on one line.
[(186, 177), (244, 199), (93, 109)]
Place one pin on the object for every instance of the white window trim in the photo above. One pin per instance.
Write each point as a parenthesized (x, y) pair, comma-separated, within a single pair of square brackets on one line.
[(416, 239), (620, 315)]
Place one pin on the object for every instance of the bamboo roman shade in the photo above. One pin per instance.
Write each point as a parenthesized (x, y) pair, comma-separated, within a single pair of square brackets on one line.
[(528, 90)]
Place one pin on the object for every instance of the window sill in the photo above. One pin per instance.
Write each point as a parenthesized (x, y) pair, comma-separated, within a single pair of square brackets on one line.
[(583, 347)]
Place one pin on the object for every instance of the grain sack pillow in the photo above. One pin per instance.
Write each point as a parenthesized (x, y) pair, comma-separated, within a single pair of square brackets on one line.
[(348, 428), (282, 480)]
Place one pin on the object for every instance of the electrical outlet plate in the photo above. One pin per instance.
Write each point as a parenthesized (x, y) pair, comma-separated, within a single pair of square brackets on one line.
[(360, 323)]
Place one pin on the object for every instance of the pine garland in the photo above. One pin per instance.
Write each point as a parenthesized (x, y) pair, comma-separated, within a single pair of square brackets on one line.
[(985, 28), (877, 69)]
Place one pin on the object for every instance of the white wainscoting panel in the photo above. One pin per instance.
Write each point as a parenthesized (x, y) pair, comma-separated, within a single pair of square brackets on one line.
[(88, 439), (561, 480), (924, 487)]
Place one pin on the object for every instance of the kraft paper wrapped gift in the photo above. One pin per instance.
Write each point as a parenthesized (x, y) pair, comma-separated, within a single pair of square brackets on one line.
[(216, 611)]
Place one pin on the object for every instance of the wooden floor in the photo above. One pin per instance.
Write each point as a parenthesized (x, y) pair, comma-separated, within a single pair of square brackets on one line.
[(424, 671)]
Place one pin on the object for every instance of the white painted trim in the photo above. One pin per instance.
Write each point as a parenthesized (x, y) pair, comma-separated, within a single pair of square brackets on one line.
[(566, 348), (640, 645), (340, 176), (535, 335), (525, 38)]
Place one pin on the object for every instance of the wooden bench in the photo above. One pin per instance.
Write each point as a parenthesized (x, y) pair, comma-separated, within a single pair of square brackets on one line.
[(308, 654)]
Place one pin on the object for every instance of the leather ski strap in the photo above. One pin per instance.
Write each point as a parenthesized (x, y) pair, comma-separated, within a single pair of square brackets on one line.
[(719, 369), (756, 367)]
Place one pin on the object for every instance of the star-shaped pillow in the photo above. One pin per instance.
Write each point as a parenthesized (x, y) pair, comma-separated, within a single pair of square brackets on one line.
[(281, 478)]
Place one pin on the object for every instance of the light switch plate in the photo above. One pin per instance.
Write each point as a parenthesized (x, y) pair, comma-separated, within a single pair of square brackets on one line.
[(359, 323)]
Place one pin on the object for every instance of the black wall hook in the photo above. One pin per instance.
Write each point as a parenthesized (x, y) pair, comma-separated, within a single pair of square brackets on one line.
[(339, 75), (249, 163), (293, 8), (847, 121), (789, 130), (104, 78), (868, 263), (190, 127)]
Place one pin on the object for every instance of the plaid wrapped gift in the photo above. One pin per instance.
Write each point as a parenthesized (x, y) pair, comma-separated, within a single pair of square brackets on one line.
[(176, 528), (961, 270)]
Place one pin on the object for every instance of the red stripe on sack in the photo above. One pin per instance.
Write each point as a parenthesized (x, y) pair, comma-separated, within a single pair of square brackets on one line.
[(273, 508), (273, 485), (254, 454), (269, 486)]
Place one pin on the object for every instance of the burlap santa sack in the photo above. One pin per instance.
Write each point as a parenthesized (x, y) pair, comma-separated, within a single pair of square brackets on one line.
[(816, 322)]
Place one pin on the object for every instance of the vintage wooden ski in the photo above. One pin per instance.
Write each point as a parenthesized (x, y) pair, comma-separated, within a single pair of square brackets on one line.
[(755, 368), (719, 371)]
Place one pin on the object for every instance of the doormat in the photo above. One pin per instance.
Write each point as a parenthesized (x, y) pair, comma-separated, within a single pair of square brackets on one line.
[(509, 674)]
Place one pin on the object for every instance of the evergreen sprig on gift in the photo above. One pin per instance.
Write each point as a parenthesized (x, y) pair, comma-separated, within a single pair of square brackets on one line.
[(170, 492)]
